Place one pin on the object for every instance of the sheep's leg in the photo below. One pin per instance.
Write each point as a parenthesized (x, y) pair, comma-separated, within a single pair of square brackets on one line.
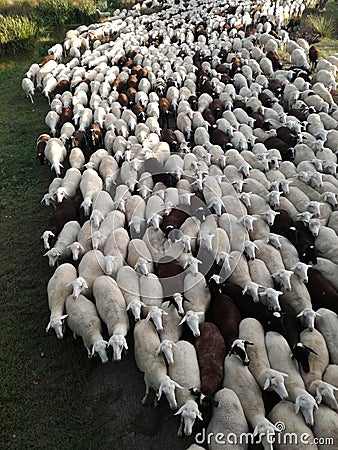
[(179, 432), (146, 394)]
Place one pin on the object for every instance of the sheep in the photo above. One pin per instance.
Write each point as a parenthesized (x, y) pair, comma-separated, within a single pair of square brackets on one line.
[(76, 158), (55, 153), (69, 185), (111, 307), (58, 290), (185, 372), (325, 425), (139, 256), (283, 412), (153, 365), (279, 356), (129, 283), (226, 419), (328, 269), (28, 86), (91, 266), (84, 321), (210, 349), (90, 184), (251, 330), (66, 237), (238, 378), (326, 323)]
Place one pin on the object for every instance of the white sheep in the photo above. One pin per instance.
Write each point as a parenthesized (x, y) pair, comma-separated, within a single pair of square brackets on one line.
[(66, 237), (84, 321), (326, 425), (152, 364), (327, 324), (238, 378), (227, 418), (76, 158), (91, 266), (279, 356), (90, 184), (29, 88), (185, 372), (69, 185), (55, 153), (251, 330), (284, 412), (58, 290), (111, 307)]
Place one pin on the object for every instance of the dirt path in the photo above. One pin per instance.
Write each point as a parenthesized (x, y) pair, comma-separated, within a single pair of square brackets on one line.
[(115, 394)]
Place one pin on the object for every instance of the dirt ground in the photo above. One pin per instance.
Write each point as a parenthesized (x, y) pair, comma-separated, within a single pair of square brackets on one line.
[(115, 391)]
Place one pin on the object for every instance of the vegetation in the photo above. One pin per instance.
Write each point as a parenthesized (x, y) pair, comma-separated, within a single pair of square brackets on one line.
[(323, 25), (22, 22)]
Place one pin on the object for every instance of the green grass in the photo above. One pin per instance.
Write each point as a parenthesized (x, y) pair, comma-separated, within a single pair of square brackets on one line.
[(324, 23), (54, 413)]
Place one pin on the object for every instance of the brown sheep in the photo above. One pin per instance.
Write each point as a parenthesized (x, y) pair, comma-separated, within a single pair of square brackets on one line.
[(210, 349)]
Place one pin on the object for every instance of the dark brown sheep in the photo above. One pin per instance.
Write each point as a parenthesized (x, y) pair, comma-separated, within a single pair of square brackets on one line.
[(226, 316), (210, 349), (322, 292), (64, 212), (171, 276)]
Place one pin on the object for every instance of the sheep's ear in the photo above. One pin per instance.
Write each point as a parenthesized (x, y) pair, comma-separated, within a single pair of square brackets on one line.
[(267, 383), (69, 284), (199, 415), (179, 411), (148, 317), (48, 327), (300, 314), (64, 317), (105, 342), (183, 320), (178, 386), (125, 345)]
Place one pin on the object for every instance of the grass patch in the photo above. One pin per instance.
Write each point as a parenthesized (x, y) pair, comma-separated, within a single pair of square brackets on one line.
[(43, 394), (314, 22), (323, 26)]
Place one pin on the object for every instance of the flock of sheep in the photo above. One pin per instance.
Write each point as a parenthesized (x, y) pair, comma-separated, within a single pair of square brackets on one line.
[(196, 204)]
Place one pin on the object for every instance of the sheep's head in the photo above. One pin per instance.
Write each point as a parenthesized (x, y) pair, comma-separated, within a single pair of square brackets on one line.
[(96, 217), (78, 285), (265, 430), (167, 387), (142, 266), (193, 319), (47, 238), (270, 298), (135, 307), (57, 323), (100, 347), (307, 318), (300, 269), (306, 403), (155, 313), (325, 391), (166, 347), (118, 343), (53, 255), (283, 278), (238, 347), (76, 248), (249, 249), (189, 412), (252, 289), (275, 382), (86, 204), (97, 239)]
